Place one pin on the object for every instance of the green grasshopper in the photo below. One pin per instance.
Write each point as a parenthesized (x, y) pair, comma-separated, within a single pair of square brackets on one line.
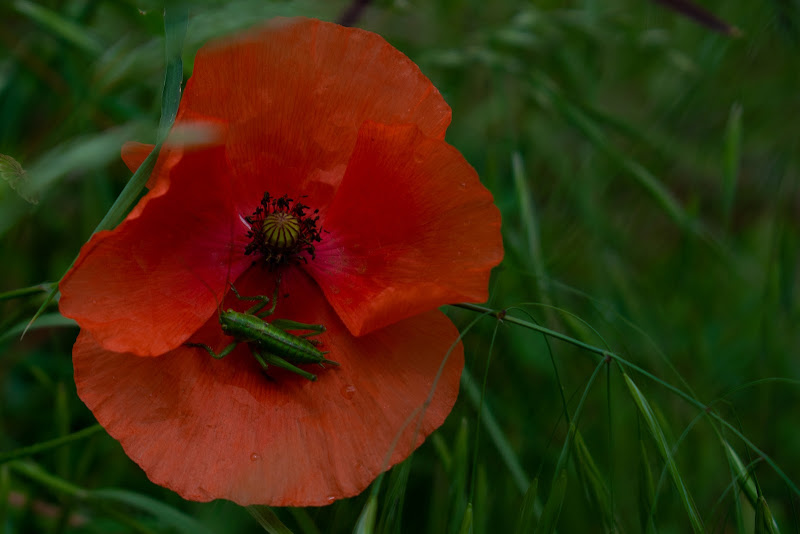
[(270, 343)]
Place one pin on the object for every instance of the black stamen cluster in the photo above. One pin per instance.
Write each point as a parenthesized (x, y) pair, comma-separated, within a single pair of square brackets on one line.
[(272, 256)]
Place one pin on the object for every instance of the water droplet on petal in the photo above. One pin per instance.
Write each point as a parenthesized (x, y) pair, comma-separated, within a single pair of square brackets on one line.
[(348, 392), (255, 457), (331, 498)]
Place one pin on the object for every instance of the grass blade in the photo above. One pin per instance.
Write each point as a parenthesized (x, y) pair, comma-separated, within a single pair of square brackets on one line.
[(742, 475), (392, 510), (647, 491), (765, 523), (594, 134), (663, 448), (168, 515), (466, 521), (49, 445), (175, 23), (48, 320), (496, 434), (366, 520), (552, 508), (593, 481), (268, 520), (527, 513), (60, 26)]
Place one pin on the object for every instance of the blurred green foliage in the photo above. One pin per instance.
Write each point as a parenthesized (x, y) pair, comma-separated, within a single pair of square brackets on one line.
[(647, 171)]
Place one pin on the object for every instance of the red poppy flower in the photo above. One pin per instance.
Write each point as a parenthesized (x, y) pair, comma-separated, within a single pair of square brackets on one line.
[(338, 120)]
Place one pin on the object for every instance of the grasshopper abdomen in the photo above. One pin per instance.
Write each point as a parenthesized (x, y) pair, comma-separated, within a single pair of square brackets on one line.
[(270, 338), (270, 343)]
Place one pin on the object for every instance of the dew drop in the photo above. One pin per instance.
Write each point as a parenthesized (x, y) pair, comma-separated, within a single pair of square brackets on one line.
[(255, 457), (463, 185), (331, 498), (348, 391)]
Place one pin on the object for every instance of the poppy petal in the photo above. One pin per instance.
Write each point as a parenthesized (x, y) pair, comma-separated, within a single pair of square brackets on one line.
[(146, 286), (298, 64), (134, 154), (411, 228), (210, 429), (296, 115)]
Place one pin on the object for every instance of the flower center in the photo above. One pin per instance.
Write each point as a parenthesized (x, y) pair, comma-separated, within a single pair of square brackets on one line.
[(281, 232)]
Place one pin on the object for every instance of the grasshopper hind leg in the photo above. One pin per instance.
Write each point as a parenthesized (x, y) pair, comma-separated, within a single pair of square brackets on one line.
[(266, 359)]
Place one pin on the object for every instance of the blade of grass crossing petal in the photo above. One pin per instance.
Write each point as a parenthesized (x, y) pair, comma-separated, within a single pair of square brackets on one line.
[(733, 149), (268, 520), (130, 193), (175, 23), (366, 520), (552, 508), (663, 448), (59, 26), (527, 513)]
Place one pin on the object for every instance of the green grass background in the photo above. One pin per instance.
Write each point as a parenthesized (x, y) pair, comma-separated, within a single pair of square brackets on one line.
[(647, 172)]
